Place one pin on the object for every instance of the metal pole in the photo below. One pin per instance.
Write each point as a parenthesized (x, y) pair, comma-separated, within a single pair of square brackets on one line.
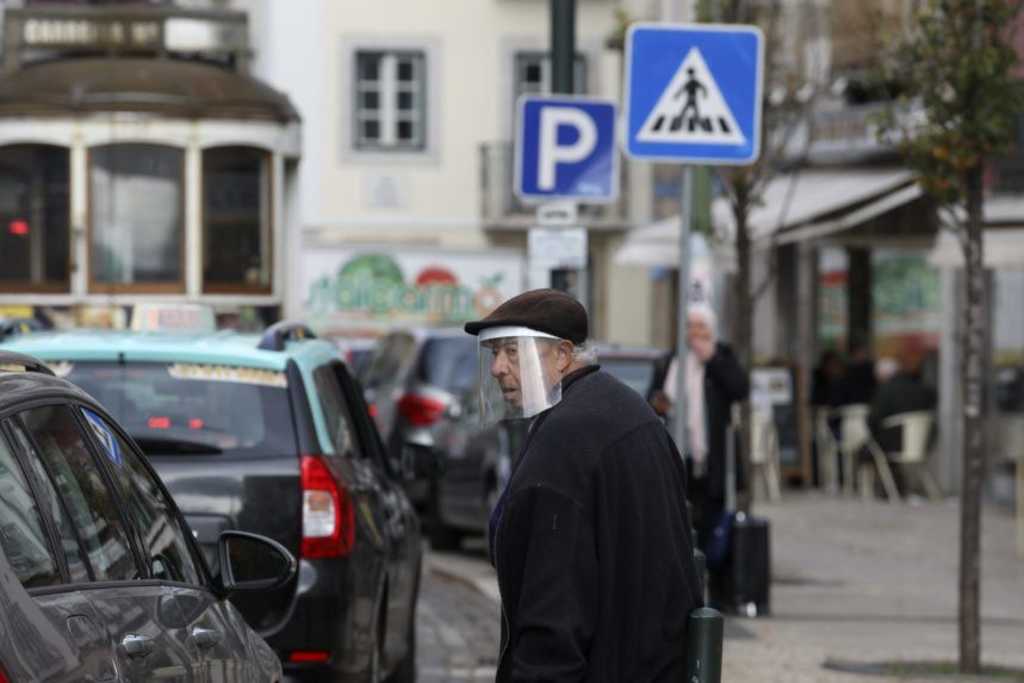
[(563, 45), (685, 219)]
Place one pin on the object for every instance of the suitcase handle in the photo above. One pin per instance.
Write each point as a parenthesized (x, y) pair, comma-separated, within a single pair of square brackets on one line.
[(704, 646)]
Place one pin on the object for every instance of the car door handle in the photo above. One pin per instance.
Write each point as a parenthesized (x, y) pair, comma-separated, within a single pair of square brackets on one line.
[(136, 646), (205, 638)]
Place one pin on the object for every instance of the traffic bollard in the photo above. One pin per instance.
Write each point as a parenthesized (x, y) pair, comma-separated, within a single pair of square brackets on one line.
[(704, 646)]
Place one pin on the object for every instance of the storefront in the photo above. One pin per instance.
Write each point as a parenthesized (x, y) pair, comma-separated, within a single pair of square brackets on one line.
[(1004, 259), (139, 161)]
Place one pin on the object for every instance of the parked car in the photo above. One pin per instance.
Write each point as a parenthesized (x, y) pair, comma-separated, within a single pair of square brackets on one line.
[(271, 435), (424, 386), (643, 369), (357, 352), (100, 577), (13, 326)]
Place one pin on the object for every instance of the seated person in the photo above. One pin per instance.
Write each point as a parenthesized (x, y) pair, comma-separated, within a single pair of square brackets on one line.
[(904, 392)]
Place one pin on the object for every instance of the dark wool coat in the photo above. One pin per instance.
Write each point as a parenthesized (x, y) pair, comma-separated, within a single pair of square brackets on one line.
[(593, 546), (725, 383)]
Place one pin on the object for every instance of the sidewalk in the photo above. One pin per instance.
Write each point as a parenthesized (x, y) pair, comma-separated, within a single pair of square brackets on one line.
[(858, 582)]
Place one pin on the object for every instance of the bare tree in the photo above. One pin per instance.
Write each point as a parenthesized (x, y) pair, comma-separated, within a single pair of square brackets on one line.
[(956, 68)]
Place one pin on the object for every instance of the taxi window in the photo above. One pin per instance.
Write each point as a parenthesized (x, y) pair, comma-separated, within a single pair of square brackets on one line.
[(336, 412), (195, 409)]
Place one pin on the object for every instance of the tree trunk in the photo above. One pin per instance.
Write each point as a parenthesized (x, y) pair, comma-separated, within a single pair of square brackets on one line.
[(744, 340), (975, 317)]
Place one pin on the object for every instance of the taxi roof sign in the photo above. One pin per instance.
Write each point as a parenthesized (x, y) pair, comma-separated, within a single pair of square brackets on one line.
[(152, 317)]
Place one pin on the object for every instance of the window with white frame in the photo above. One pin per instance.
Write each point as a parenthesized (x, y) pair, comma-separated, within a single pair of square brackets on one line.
[(391, 100), (533, 73)]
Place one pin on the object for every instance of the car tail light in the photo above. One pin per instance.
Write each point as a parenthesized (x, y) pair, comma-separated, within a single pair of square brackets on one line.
[(371, 410), (328, 516), (420, 410), (159, 423), (307, 656)]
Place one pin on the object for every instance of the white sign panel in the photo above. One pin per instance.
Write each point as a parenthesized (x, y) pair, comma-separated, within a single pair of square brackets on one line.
[(558, 248)]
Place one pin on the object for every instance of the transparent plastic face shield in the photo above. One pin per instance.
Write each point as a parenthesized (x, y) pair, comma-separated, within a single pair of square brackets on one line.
[(519, 373)]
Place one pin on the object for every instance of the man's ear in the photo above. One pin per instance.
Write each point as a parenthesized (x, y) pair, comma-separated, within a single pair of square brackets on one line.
[(565, 350)]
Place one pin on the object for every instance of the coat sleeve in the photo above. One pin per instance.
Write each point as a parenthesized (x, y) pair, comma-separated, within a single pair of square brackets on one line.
[(726, 371), (556, 606)]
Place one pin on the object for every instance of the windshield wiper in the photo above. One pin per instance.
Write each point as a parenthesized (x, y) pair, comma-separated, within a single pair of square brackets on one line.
[(167, 445)]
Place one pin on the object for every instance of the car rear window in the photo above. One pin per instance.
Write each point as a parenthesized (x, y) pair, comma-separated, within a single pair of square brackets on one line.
[(390, 359), (449, 363), (636, 373), (194, 409)]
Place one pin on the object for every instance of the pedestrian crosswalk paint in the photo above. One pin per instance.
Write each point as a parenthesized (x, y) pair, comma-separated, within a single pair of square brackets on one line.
[(692, 109)]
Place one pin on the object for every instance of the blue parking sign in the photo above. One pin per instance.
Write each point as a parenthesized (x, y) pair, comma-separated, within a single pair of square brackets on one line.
[(693, 93), (565, 149)]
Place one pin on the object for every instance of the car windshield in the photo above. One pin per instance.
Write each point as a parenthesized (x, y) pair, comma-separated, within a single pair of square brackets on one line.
[(636, 373), (194, 409), (450, 363)]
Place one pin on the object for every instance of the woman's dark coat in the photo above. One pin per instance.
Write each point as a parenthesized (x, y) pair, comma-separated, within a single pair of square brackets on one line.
[(725, 383), (593, 546)]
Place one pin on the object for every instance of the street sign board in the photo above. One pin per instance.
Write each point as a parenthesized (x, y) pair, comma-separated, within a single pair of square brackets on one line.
[(558, 247), (565, 149), (693, 93)]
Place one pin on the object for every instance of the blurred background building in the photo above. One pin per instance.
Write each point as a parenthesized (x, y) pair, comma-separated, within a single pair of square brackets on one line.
[(349, 162)]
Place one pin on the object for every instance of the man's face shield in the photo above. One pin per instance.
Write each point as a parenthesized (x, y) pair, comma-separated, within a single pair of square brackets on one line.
[(520, 372)]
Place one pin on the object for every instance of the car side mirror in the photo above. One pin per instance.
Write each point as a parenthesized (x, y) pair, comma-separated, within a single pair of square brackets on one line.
[(250, 562)]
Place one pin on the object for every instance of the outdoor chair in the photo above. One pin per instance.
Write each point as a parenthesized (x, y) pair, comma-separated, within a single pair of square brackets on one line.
[(828, 450), (854, 435), (764, 452), (915, 428)]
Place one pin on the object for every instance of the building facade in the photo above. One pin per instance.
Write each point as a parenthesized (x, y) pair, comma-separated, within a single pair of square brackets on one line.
[(409, 118), (140, 161)]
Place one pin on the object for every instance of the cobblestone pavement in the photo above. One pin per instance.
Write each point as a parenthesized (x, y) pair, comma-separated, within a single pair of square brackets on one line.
[(457, 628)]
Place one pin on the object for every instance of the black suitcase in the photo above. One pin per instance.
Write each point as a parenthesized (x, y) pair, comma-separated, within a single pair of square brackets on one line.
[(744, 587), (749, 576)]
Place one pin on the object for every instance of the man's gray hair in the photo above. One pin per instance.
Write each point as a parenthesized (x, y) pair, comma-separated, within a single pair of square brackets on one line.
[(584, 353)]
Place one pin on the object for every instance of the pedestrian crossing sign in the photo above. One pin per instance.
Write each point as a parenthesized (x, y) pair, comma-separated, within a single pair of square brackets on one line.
[(693, 93)]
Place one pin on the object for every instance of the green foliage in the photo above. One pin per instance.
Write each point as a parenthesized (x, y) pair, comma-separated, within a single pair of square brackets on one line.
[(956, 68)]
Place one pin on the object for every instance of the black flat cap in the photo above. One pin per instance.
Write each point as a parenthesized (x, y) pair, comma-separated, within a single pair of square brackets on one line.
[(545, 310)]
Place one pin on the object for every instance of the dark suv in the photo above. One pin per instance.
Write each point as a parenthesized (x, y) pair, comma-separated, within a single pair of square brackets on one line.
[(100, 578), (271, 435), (423, 384)]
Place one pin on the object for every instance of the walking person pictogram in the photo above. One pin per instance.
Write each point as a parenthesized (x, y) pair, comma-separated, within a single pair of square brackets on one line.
[(691, 87)]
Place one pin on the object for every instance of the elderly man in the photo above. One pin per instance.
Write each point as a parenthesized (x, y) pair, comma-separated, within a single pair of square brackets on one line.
[(591, 538)]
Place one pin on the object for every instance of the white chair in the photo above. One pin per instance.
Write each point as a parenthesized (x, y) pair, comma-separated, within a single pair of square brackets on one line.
[(915, 428), (854, 435), (764, 452), (828, 450)]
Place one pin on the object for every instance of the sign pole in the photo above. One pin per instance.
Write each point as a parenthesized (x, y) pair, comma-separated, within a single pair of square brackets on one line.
[(683, 295)]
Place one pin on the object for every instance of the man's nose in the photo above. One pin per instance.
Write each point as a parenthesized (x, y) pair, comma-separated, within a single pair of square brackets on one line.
[(498, 365)]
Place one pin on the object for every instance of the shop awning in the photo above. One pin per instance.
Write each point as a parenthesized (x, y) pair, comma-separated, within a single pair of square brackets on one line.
[(1003, 249), (657, 246), (808, 204), (814, 197), (169, 87)]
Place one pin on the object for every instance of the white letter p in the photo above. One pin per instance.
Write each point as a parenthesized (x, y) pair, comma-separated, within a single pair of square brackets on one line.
[(551, 153)]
